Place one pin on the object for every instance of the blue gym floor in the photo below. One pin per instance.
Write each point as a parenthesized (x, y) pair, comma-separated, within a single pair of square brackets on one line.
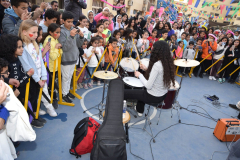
[(179, 142)]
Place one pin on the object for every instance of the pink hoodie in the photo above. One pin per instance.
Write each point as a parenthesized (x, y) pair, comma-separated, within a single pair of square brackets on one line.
[(179, 52), (101, 16)]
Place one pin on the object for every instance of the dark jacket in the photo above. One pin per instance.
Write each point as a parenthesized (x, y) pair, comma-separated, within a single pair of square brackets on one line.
[(75, 7), (11, 22), (15, 70), (10, 26), (1, 16)]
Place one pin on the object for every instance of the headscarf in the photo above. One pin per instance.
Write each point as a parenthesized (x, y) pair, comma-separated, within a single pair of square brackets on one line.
[(88, 13), (146, 17), (105, 8), (142, 24)]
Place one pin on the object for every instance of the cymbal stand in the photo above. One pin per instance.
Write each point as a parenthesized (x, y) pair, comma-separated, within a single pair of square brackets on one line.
[(101, 104)]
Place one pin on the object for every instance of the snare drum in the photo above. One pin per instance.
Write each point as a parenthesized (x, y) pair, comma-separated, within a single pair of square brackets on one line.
[(169, 100), (126, 68), (133, 82), (145, 62)]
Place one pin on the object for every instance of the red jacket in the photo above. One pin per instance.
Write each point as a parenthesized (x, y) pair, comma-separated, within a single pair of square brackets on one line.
[(151, 41)]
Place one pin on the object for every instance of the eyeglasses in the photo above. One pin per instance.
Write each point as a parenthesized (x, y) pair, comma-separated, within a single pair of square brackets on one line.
[(6, 72)]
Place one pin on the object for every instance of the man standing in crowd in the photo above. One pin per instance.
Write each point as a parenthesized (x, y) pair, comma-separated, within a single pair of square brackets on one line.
[(54, 5), (75, 7)]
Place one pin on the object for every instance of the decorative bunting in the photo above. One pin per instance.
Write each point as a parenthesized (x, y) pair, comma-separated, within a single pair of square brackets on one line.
[(197, 3), (235, 11)]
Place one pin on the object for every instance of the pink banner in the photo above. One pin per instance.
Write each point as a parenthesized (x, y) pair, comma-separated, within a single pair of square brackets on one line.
[(190, 2), (222, 7)]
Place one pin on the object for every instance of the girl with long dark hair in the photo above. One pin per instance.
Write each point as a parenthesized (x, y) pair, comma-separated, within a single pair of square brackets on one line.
[(159, 27), (131, 24), (168, 27), (157, 78), (232, 52)]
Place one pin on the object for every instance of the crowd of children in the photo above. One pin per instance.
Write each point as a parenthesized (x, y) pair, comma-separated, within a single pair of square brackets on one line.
[(26, 45)]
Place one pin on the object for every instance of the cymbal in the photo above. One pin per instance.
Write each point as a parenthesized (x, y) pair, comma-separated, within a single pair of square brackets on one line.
[(105, 75), (184, 63)]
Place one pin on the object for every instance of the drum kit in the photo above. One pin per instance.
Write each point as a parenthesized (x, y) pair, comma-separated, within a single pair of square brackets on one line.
[(127, 67)]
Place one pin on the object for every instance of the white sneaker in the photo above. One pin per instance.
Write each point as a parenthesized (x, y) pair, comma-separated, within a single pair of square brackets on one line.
[(99, 83), (91, 82), (210, 78), (79, 85), (51, 112), (139, 114), (42, 112), (213, 78)]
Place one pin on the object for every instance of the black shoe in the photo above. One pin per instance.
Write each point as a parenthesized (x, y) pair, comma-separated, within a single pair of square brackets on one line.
[(37, 124), (231, 81), (233, 106), (66, 99), (71, 96), (238, 116), (55, 104), (201, 75), (42, 120), (195, 74)]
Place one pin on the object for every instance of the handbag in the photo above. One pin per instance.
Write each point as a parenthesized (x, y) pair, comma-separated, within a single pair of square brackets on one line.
[(219, 52)]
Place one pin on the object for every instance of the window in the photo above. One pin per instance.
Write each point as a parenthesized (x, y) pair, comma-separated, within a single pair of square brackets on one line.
[(135, 11), (235, 16), (216, 14), (226, 22), (229, 16), (238, 18), (96, 5), (205, 11)]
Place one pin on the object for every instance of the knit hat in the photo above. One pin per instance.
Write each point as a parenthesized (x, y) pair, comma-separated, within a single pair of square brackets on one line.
[(105, 8), (213, 36), (229, 31)]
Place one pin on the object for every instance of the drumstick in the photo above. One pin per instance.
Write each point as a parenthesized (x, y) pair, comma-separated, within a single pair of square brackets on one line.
[(137, 54), (133, 65)]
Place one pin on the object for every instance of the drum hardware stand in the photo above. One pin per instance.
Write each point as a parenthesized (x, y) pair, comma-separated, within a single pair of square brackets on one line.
[(147, 122), (100, 105)]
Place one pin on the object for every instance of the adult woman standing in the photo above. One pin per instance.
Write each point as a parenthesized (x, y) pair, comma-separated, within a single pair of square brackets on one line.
[(157, 77), (131, 24), (159, 27), (118, 23), (92, 22), (149, 25), (179, 25), (176, 30), (168, 27)]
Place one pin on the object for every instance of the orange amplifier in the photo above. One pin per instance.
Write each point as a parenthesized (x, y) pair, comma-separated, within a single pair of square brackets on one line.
[(227, 129)]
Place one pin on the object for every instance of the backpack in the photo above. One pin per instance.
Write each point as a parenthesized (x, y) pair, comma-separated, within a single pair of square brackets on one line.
[(84, 136)]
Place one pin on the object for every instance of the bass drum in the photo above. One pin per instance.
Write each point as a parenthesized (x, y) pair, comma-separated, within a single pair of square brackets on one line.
[(127, 67), (169, 100)]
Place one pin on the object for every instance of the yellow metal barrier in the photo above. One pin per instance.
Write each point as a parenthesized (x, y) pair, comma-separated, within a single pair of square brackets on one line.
[(192, 67), (110, 63), (235, 71), (27, 94), (203, 59), (227, 65), (60, 84), (73, 91), (178, 66), (39, 98), (214, 63), (119, 57), (53, 79), (99, 61)]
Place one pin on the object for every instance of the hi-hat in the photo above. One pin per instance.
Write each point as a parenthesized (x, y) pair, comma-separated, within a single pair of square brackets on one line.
[(105, 75), (186, 63)]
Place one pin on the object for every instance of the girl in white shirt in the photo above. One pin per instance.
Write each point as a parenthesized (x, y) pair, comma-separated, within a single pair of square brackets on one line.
[(157, 77), (221, 49), (95, 53)]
